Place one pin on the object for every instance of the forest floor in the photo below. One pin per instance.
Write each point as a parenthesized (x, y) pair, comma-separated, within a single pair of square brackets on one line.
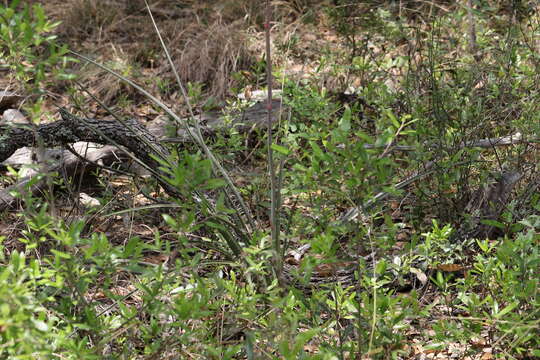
[(377, 100)]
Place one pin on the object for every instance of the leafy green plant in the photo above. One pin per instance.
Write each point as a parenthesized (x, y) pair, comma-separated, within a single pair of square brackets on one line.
[(32, 319), (511, 303), (198, 283), (27, 46)]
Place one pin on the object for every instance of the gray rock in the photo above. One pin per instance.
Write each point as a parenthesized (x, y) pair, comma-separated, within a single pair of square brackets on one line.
[(13, 116)]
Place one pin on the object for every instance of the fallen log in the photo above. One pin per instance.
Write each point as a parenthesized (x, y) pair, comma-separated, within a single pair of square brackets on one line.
[(86, 135)]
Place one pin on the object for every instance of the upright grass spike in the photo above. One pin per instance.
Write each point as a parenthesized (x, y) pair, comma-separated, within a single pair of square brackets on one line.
[(198, 135), (275, 190)]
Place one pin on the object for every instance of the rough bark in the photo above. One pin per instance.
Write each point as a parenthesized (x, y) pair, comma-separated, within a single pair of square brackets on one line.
[(71, 129), (142, 143)]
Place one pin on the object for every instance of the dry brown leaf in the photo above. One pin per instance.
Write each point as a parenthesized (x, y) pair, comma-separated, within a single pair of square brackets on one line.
[(451, 267), (486, 356)]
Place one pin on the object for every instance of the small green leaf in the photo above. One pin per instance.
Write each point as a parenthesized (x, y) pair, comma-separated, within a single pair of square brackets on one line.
[(345, 122), (380, 268), (131, 246), (506, 310), (214, 184), (393, 119), (61, 254), (215, 225), (317, 151), (493, 223), (169, 220), (280, 149), (362, 135)]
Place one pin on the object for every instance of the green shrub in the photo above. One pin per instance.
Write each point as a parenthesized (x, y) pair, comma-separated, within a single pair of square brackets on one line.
[(27, 46)]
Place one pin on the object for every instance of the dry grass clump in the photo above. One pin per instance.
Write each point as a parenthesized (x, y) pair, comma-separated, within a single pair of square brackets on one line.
[(86, 19), (107, 87), (207, 40), (210, 54)]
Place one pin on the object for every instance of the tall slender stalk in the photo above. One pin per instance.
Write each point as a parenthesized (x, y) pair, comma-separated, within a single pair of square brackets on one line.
[(274, 195), (197, 135)]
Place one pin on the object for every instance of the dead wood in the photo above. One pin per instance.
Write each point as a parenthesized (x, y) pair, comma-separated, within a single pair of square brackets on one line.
[(8, 99), (213, 123), (488, 203), (87, 135)]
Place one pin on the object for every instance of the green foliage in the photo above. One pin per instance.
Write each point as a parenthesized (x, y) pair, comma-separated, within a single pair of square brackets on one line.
[(67, 291), (511, 303), (336, 162), (47, 303), (27, 46), (32, 326)]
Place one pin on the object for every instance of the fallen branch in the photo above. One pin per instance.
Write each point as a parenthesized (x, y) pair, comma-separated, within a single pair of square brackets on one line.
[(85, 134), (513, 139)]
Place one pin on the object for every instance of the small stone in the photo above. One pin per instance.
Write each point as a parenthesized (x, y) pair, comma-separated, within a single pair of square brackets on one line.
[(13, 116), (88, 201)]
